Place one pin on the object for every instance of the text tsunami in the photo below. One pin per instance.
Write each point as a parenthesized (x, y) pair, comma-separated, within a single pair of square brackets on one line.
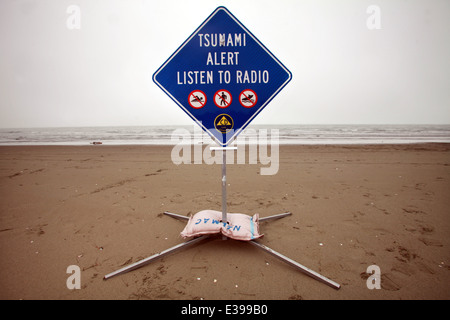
[(221, 58)]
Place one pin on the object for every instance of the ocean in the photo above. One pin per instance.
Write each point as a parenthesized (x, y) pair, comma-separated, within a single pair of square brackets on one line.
[(170, 135)]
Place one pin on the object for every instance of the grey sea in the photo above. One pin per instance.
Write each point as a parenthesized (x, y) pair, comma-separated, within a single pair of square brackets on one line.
[(172, 135)]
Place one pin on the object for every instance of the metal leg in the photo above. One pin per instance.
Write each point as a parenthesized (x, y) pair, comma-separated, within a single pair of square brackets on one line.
[(302, 268), (275, 216), (176, 216), (145, 261)]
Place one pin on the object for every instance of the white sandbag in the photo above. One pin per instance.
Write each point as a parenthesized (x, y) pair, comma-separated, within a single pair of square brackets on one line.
[(239, 226)]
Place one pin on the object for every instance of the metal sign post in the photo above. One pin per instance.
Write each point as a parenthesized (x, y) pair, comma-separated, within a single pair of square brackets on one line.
[(224, 188), (224, 181), (222, 76)]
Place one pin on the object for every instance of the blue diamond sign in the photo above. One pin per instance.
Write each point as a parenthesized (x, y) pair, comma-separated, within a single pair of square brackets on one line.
[(222, 76)]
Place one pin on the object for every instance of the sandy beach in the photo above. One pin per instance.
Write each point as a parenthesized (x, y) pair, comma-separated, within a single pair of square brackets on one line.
[(101, 207)]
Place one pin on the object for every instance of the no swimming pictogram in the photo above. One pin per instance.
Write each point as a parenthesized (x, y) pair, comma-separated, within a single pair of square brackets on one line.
[(248, 98), (197, 99), (223, 98)]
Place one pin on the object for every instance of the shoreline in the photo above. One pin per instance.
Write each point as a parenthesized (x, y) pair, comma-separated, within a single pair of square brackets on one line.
[(284, 134), (166, 145), (100, 207)]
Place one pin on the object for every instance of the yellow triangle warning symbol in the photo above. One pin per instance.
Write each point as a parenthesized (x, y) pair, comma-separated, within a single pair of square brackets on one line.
[(224, 122)]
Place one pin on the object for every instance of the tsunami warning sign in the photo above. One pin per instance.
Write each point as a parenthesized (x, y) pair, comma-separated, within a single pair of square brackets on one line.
[(222, 76)]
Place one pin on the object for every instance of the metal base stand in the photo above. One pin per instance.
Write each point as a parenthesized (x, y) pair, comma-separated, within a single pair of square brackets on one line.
[(180, 246), (164, 253)]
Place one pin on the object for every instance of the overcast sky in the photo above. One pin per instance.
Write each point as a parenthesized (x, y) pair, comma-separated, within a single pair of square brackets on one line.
[(350, 63)]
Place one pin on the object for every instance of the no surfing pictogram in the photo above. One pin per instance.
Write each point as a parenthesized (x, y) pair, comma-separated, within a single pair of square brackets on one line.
[(197, 99), (248, 98)]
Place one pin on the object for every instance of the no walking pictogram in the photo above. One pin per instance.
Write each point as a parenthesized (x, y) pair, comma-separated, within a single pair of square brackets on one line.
[(223, 98), (197, 99), (248, 98)]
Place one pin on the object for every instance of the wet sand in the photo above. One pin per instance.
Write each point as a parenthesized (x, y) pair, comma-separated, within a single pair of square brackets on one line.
[(100, 208)]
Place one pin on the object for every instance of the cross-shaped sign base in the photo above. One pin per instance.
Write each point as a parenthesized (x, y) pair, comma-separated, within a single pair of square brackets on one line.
[(164, 253), (154, 257)]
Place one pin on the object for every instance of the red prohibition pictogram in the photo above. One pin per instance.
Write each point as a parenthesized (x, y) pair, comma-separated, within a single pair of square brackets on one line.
[(197, 99), (248, 98), (222, 98)]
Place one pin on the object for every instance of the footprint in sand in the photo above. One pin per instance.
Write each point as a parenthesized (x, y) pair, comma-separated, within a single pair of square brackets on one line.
[(388, 284), (430, 242)]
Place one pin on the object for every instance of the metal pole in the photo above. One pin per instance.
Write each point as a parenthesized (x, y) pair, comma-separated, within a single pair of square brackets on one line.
[(302, 268), (145, 261), (224, 188), (224, 181)]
